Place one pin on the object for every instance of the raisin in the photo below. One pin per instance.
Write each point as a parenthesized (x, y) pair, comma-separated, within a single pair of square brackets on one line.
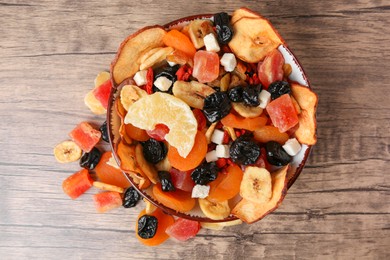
[(223, 27), (216, 106), (276, 155), (279, 88), (244, 151), (91, 159), (104, 131), (235, 94), (130, 198), (250, 95), (166, 181), (147, 226), (154, 151), (169, 73), (205, 173)]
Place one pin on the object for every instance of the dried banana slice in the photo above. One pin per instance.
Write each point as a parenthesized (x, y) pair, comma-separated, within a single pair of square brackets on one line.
[(157, 57), (67, 151), (214, 210), (197, 30), (256, 185), (247, 111), (193, 93)]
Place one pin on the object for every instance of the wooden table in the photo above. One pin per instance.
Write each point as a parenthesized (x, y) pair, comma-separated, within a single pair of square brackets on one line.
[(339, 207)]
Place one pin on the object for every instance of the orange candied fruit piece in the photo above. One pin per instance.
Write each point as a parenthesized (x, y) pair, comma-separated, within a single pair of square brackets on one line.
[(179, 41)]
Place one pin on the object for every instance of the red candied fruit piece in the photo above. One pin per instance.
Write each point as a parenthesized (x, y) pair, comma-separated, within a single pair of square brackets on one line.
[(85, 136), (282, 113), (77, 184), (182, 179), (200, 118), (106, 201), (158, 132), (206, 66), (183, 229), (102, 93), (271, 69)]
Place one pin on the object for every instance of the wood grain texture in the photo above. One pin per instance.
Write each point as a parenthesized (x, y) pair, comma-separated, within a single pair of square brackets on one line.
[(50, 52)]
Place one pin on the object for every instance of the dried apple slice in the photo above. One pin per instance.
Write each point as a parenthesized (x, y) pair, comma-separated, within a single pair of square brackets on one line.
[(126, 62), (254, 38), (250, 212), (147, 168), (307, 100), (242, 13)]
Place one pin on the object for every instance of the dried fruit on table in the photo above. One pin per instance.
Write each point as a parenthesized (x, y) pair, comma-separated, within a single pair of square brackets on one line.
[(244, 151), (193, 93), (271, 69), (130, 94), (182, 179), (178, 200), (216, 106), (85, 136), (147, 168), (103, 129), (197, 30), (158, 132), (155, 58), (78, 183), (279, 88), (247, 111), (157, 234), (106, 201), (193, 159), (91, 159), (130, 197), (213, 209), (251, 124), (161, 108), (183, 229), (256, 185), (102, 93), (276, 155), (205, 173), (206, 66), (241, 13), (67, 151), (250, 212), (136, 133)]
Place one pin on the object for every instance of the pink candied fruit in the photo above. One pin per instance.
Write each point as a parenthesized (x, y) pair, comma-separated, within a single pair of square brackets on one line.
[(102, 93), (282, 113), (85, 136), (183, 229), (206, 66)]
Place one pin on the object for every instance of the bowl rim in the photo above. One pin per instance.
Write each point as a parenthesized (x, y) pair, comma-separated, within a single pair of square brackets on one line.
[(144, 194)]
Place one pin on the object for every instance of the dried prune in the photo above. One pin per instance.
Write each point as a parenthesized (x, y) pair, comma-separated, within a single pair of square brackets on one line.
[(223, 27), (276, 155), (103, 130), (91, 159), (244, 151), (154, 151), (130, 198), (279, 88), (147, 226), (168, 72), (216, 106), (205, 173), (166, 181), (250, 95), (235, 94)]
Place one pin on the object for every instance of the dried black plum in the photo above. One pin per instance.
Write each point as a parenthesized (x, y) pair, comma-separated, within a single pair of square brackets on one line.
[(235, 94), (223, 27), (168, 72), (276, 155), (91, 159), (147, 226), (216, 106), (166, 181), (130, 198), (279, 88), (244, 151), (154, 151), (103, 130), (250, 95), (205, 173)]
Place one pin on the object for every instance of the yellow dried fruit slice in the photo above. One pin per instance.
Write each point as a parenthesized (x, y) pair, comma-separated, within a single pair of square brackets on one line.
[(161, 108)]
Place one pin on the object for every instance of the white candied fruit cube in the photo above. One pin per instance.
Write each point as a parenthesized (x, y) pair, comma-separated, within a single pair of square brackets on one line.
[(264, 98), (140, 78), (292, 146), (217, 136), (228, 61), (171, 63), (200, 191), (163, 83), (211, 156), (211, 43), (222, 151)]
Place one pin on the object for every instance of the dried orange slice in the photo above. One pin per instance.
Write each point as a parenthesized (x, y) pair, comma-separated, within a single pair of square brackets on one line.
[(161, 108)]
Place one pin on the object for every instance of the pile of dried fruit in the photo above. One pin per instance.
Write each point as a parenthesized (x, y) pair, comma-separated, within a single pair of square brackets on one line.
[(209, 117)]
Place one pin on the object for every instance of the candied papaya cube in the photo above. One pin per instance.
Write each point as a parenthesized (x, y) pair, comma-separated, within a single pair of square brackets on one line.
[(106, 201), (206, 66), (85, 136), (78, 183), (282, 113), (102, 93)]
